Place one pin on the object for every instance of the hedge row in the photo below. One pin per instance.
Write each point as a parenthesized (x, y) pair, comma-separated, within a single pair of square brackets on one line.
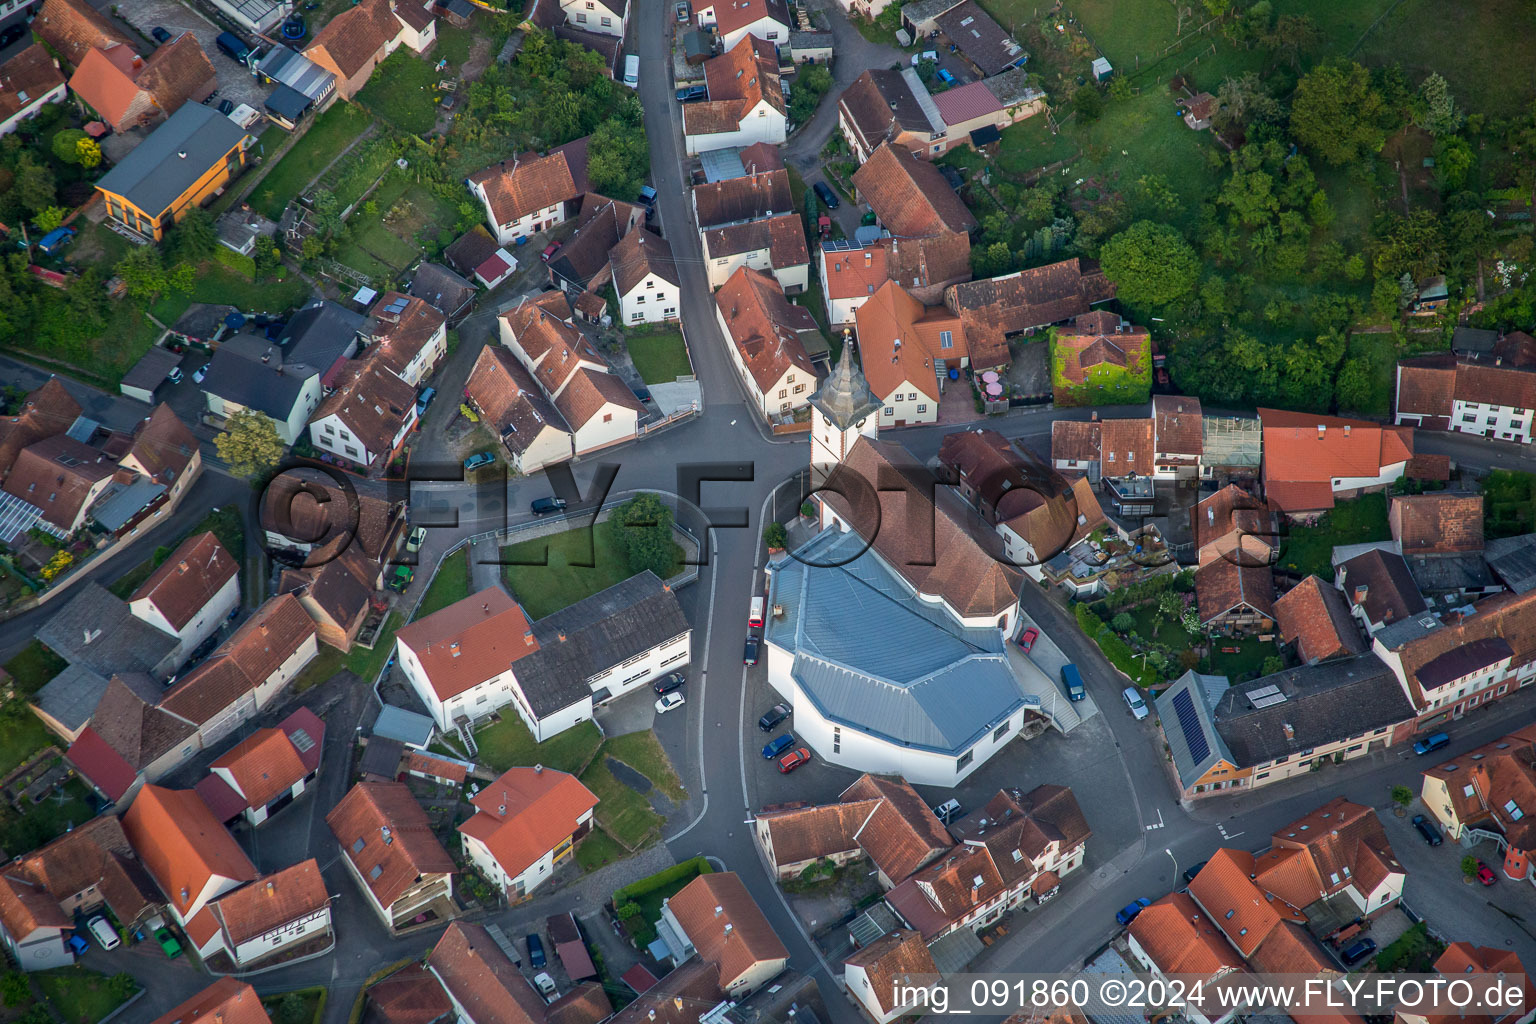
[(1115, 649), (661, 879), (238, 262)]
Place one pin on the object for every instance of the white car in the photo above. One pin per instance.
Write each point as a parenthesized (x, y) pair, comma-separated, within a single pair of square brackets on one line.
[(918, 58), (202, 372), (1135, 703), (546, 986), (105, 934), (670, 702)]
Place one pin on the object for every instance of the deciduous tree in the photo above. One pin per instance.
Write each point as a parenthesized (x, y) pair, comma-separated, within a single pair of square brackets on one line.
[(1336, 112), (1151, 264), (249, 444), (642, 529)]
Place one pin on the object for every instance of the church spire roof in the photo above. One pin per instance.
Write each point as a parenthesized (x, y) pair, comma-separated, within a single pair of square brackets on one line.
[(844, 397)]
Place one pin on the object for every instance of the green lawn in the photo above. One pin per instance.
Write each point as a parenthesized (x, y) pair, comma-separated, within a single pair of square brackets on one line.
[(624, 814), (1105, 384), (659, 353), (20, 738), (642, 752), (1309, 549), (360, 661), (449, 585), (1248, 660), (33, 666), (1415, 35), (554, 572), (598, 849), (81, 996), (330, 133), (403, 91), (216, 283), (1509, 509), (508, 743), (68, 806)]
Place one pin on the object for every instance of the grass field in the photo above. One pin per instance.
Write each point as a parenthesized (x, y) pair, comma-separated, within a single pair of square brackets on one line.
[(624, 814), (1309, 549), (60, 811), (32, 667), (20, 738), (598, 849), (216, 283), (360, 661), (403, 92), (331, 132), (642, 752), (449, 585), (555, 572), (659, 353), (1458, 41), (81, 996), (508, 743)]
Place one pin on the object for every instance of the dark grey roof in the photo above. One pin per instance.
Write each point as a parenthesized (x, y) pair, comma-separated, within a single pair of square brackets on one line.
[(1436, 574), (1322, 704), (287, 102), (96, 630), (121, 502), (71, 696), (409, 727), (442, 288), (297, 73), (599, 632), (321, 333), (156, 173), (1463, 661), (237, 374), (381, 757), (1473, 340), (1189, 727), (202, 320), (149, 372), (1513, 560)]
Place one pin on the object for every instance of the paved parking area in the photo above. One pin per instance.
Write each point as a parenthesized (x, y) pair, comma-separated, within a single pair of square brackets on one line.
[(235, 80)]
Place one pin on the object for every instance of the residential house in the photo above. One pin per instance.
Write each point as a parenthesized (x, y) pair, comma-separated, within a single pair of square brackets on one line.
[(407, 334), (525, 825), (1461, 959), (973, 115), (1234, 599), (250, 373), (443, 290), (1075, 446), (368, 416), (358, 39), (906, 349), (485, 987), (1310, 460), (756, 195), (911, 200), (1269, 934), (878, 973), (1234, 526), (511, 405), (1015, 849), (62, 478), (531, 193), (645, 278), (599, 408), (746, 100), (1126, 464), (1377, 585), (267, 771), (32, 927), (715, 918), (166, 452), (29, 81), (735, 20), (336, 594), (460, 659), (986, 46), (47, 410), (582, 264), (1490, 392), (228, 1000), (411, 995), (890, 106), (768, 335), (773, 245), (1486, 794), (389, 848), (125, 91), (881, 818), (849, 275), (601, 17), (186, 851), (310, 520), (1437, 523), (72, 27), (191, 594), (1335, 865), (181, 165), (127, 738), (1174, 937), (264, 918), (1100, 339), (1314, 617), (994, 310)]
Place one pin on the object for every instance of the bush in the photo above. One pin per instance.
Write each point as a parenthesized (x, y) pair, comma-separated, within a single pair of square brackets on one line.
[(238, 262), (14, 988), (1123, 623), (1469, 866), (661, 879), (1402, 796), (642, 529), (627, 910), (1088, 102), (1119, 654), (775, 536), (808, 509)]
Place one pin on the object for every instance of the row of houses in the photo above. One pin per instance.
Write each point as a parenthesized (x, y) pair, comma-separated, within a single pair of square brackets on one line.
[(894, 107)]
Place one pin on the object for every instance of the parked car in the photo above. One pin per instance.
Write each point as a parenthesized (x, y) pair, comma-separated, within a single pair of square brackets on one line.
[(1127, 913), (774, 716), (670, 702), (792, 760), (1073, 681), (1027, 639), (948, 811), (546, 986), (749, 652), (1428, 831), (11, 33), (946, 77), (1193, 870), (1485, 875), (689, 93), (202, 372), (826, 195), (1358, 950), (536, 956), (776, 746), (175, 376), (233, 48), (549, 251), (226, 107), (682, 12), (479, 459), (78, 945), (425, 399), (544, 506), (1135, 703), (168, 943), (417, 538), (918, 58), (103, 932), (647, 196), (1430, 743), (160, 35), (669, 682)]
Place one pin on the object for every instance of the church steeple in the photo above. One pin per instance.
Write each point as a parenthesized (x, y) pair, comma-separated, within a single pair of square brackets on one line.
[(844, 397)]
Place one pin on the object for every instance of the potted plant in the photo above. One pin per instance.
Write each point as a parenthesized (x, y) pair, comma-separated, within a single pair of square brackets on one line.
[(1402, 796), (808, 509), (1468, 869), (775, 536)]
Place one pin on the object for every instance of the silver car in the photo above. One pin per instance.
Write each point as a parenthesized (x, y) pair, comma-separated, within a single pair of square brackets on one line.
[(1135, 703)]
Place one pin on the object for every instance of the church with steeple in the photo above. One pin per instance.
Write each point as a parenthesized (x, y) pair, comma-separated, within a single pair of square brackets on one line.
[(843, 410)]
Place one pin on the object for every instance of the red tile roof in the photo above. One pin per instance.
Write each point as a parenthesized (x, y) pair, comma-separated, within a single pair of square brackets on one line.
[(163, 447), (1442, 522), (529, 183), (1075, 440), (1235, 904), (901, 833), (49, 409), (386, 835), (1234, 525), (271, 901), (760, 194), (106, 769), (910, 196), (998, 307), (32, 73), (409, 996), (251, 656), (1303, 451), (1223, 586), (966, 103), (1125, 448), (182, 845), (732, 15), (894, 959), (1345, 844), (72, 27), (854, 273), (480, 978), (469, 641), (228, 1001), (526, 813), (1426, 385), (59, 475), (1181, 940), (355, 36), (190, 578), (1315, 617), (765, 326), (104, 80), (263, 766), (738, 80), (25, 908), (725, 925), (178, 72)]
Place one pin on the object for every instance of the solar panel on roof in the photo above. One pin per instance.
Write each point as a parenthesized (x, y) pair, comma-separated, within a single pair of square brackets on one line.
[(302, 741), (397, 306), (1189, 721), (1268, 701)]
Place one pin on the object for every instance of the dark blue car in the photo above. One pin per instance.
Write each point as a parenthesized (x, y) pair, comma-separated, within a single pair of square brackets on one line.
[(1128, 913), (777, 746)]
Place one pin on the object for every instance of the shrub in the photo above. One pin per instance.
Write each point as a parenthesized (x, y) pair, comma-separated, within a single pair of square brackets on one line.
[(661, 879), (808, 508), (775, 536), (1402, 795), (1123, 623), (627, 910), (1469, 866)]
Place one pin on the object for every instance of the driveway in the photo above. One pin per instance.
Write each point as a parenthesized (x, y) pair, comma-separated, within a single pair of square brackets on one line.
[(235, 80)]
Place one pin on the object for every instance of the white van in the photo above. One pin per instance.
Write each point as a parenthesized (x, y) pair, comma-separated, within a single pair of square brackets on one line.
[(755, 617), (632, 71), (104, 932)]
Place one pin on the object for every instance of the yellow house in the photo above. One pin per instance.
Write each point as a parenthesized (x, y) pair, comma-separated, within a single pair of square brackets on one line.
[(187, 160)]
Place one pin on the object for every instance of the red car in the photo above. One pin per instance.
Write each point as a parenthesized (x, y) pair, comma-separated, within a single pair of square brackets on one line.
[(1484, 875), (550, 250), (792, 760), (1027, 639)]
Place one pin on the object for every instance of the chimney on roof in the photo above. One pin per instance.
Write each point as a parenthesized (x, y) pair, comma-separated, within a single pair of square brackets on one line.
[(271, 887), (181, 153), (1093, 417), (562, 636), (727, 929), (1290, 731), (1322, 431), (528, 637), (719, 910), (1346, 430), (1361, 590)]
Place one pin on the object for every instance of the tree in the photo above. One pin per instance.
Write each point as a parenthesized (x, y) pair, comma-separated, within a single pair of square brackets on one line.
[(142, 272), (13, 985), (34, 186), (642, 529), (1151, 264), (311, 248), (1272, 664), (266, 256), (1407, 291), (812, 82), (50, 218), (65, 144), (1453, 161), (89, 153), (194, 238), (617, 159), (1088, 102), (1402, 796), (775, 536), (1169, 606), (1469, 866), (1122, 623), (1336, 112), (1435, 107), (1354, 386), (1241, 102), (249, 443)]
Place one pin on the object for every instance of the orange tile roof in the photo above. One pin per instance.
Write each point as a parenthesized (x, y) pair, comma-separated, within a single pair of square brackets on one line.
[(1231, 900), (526, 813), (949, 889), (1125, 447), (765, 326), (186, 581), (900, 339), (1181, 940), (1315, 617), (72, 27), (182, 845), (271, 901), (1305, 449), (26, 908), (356, 35), (1288, 875), (1346, 845), (228, 1001), (469, 641), (263, 766), (33, 73), (854, 273), (395, 834), (899, 957), (480, 978), (252, 655), (909, 195), (725, 925), (108, 87), (902, 833)]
